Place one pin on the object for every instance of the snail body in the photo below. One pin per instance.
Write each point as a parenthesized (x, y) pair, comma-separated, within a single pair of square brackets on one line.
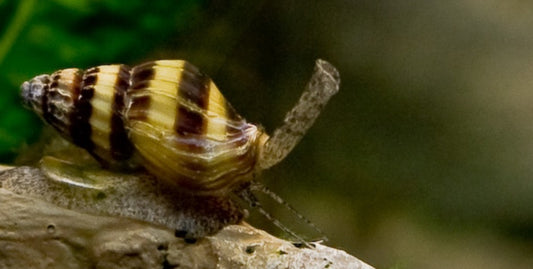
[(170, 118)]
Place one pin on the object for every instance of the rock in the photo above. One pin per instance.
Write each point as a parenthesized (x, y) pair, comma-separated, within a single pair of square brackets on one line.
[(38, 234)]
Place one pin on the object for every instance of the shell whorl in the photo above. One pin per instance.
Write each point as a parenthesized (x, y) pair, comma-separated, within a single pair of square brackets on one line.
[(206, 141)]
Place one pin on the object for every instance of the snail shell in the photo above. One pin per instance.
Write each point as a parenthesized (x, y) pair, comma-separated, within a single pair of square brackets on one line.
[(166, 112)]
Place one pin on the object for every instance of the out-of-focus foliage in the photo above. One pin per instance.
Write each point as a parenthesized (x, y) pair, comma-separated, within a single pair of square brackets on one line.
[(43, 36), (423, 159)]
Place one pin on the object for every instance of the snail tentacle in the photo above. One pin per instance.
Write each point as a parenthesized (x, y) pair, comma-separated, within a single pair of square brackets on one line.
[(323, 85)]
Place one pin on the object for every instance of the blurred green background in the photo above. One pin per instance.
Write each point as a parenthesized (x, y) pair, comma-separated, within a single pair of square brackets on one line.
[(423, 159)]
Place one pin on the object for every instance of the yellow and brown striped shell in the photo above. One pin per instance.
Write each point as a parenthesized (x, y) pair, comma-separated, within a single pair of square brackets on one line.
[(167, 112)]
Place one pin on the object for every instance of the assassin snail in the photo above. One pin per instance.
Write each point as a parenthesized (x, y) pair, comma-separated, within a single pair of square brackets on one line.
[(172, 119)]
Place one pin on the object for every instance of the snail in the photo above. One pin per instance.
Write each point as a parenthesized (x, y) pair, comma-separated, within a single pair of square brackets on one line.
[(171, 119)]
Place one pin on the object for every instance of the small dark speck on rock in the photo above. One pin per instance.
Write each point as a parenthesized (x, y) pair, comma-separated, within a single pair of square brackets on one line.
[(162, 247), (180, 233), (190, 240), (100, 196), (132, 254), (167, 265), (298, 244), (250, 249), (183, 234), (51, 228), (328, 264)]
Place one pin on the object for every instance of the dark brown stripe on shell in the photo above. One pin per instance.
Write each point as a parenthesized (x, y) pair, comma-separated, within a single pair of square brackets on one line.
[(58, 104), (121, 146), (80, 127), (189, 122), (143, 72), (46, 105), (139, 101), (193, 87), (139, 106), (44, 102), (75, 93), (89, 79)]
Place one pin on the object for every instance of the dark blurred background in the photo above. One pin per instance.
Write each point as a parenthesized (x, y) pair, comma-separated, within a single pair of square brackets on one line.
[(423, 159)]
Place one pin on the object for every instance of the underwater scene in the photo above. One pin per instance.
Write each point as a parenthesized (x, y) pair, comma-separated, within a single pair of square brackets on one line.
[(377, 133)]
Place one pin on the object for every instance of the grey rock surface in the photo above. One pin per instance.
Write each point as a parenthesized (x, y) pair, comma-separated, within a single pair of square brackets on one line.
[(38, 234)]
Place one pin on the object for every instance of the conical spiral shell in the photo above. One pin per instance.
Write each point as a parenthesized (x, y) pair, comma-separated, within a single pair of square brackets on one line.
[(166, 112)]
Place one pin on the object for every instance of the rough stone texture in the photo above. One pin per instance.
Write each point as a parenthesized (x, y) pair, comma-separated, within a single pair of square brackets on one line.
[(38, 234), (138, 196)]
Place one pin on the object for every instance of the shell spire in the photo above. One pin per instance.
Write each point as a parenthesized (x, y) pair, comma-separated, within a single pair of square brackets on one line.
[(324, 83)]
